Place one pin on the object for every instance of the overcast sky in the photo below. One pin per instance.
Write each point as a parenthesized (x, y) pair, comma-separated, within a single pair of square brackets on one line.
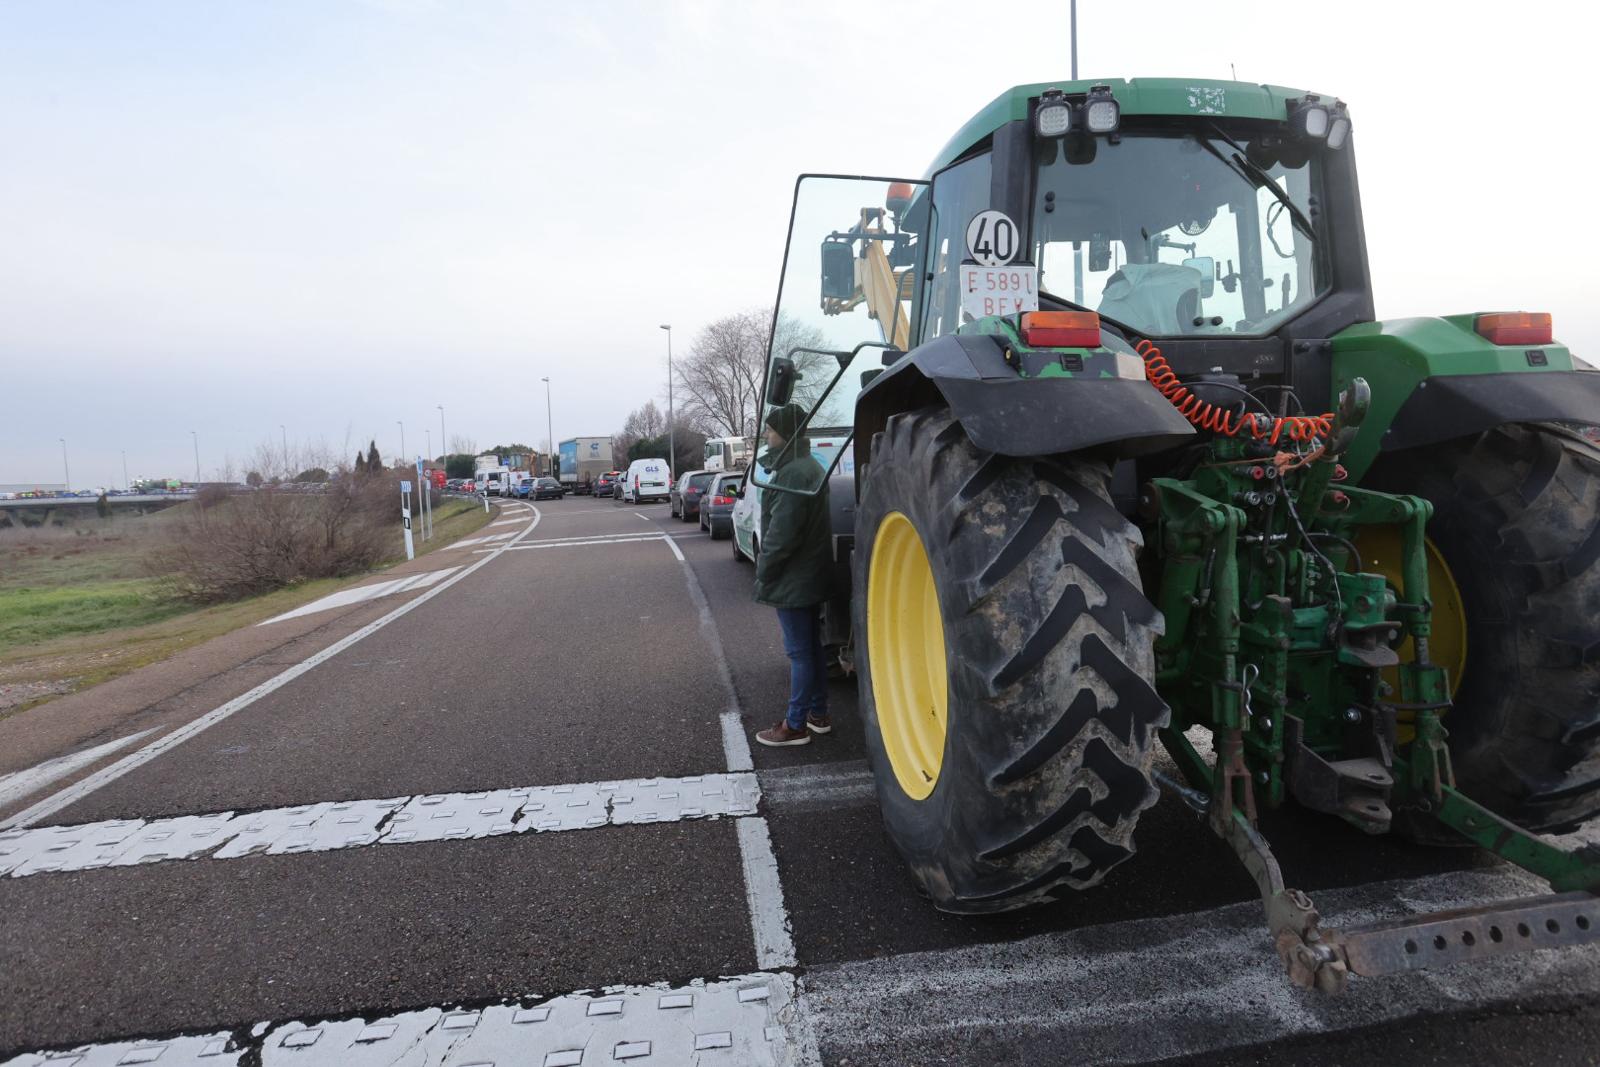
[(330, 215)]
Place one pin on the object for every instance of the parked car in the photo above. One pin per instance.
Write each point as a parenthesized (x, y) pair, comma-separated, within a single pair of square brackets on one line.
[(747, 521), (647, 479), (548, 489), (687, 492), (606, 484), (716, 508)]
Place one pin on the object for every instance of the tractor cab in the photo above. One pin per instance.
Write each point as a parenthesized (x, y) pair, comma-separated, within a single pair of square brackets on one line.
[(1216, 218)]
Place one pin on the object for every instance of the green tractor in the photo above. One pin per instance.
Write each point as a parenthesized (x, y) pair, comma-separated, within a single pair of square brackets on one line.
[(1117, 452)]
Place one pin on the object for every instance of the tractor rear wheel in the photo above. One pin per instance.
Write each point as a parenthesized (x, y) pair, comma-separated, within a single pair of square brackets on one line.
[(1517, 521), (1005, 652)]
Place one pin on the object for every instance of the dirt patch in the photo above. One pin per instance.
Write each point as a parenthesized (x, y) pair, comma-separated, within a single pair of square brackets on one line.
[(17, 694)]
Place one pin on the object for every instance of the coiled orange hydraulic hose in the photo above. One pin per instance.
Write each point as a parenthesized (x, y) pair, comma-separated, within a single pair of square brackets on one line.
[(1208, 416)]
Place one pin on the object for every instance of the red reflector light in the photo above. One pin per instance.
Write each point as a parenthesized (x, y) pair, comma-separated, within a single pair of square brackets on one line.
[(721, 501), (1515, 328), (1061, 329)]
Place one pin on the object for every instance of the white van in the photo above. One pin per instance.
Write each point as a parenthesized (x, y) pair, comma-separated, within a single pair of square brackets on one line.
[(647, 479)]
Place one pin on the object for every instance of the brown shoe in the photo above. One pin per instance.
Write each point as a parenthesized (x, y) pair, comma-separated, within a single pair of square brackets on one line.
[(819, 724), (780, 736)]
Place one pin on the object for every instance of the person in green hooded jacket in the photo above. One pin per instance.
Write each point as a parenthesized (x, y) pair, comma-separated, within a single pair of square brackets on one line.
[(793, 573)]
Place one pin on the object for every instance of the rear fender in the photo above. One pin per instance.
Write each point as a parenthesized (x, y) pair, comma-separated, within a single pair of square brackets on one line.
[(1435, 379)]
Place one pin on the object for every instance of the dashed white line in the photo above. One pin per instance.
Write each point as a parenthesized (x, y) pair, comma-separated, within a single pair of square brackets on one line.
[(78, 790), (328, 826)]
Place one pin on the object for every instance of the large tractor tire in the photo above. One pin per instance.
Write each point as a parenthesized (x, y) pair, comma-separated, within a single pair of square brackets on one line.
[(1517, 524), (1005, 653)]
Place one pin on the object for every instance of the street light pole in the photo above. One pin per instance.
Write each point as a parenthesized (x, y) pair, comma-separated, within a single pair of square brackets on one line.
[(196, 437), (444, 442), (400, 423), (549, 427), (672, 438), (66, 471), (285, 430), (127, 483)]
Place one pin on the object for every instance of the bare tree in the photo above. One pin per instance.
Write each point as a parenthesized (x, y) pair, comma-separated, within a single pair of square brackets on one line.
[(461, 445), (645, 421), (721, 378)]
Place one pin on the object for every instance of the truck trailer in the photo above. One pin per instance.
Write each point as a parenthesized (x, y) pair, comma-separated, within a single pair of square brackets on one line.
[(583, 459)]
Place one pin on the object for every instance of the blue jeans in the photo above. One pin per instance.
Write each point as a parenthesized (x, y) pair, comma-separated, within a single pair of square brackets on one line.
[(808, 664)]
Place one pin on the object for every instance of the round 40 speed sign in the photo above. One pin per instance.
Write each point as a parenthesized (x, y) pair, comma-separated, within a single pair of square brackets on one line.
[(992, 239)]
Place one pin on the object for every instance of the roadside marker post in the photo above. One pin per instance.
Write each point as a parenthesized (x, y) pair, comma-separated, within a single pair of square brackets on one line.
[(405, 518)]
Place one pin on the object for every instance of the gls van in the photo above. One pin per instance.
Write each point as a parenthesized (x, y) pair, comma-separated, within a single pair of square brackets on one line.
[(647, 479)]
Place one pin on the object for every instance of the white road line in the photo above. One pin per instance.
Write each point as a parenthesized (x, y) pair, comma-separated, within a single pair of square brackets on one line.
[(19, 784), (763, 890), (624, 540), (335, 825), (747, 1020), (503, 522), (482, 540), (769, 919), (362, 593), (77, 791), (676, 551)]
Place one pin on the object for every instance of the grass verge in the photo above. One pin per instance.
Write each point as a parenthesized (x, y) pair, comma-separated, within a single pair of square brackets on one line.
[(72, 627)]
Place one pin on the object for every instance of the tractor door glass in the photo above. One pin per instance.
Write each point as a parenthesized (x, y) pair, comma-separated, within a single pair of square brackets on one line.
[(1169, 234), (844, 296), (959, 192)]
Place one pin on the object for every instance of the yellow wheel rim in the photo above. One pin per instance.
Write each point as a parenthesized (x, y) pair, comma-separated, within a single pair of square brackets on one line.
[(905, 646), (1381, 552)]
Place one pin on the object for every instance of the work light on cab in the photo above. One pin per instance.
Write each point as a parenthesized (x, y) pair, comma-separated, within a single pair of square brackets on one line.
[(1339, 126), (1101, 112), (1053, 117), (1309, 118)]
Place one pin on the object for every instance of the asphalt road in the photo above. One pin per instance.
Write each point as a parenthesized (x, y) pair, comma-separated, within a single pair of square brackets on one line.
[(580, 649)]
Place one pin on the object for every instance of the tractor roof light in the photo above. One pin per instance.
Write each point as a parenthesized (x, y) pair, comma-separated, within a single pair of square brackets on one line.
[(1309, 118), (1060, 329), (1338, 126), (1053, 116), (1101, 112), (1515, 328)]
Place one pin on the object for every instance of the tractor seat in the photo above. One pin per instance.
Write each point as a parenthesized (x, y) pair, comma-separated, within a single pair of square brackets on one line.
[(1158, 298)]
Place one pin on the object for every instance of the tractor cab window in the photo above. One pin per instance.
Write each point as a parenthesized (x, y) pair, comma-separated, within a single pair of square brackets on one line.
[(845, 296), (1176, 234)]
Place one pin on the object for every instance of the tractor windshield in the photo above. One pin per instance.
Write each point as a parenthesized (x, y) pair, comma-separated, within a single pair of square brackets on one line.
[(1176, 233)]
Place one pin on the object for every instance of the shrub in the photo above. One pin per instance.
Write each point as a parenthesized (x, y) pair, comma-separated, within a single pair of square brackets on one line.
[(254, 543)]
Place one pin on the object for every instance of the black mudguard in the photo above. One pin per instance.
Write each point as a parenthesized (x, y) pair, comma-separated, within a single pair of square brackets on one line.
[(1456, 405), (1005, 413)]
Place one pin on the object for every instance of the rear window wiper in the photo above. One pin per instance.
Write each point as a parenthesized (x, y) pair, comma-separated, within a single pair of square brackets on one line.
[(1257, 177)]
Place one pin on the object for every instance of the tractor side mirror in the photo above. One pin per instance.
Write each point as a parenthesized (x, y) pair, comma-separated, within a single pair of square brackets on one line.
[(1207, 266), (780, 381), (1099, 252), (838, 271)]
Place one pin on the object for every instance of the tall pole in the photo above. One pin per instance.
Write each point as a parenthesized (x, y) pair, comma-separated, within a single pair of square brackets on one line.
[(196, 437), (66, 471), (403, 457), (672, 438), (1074, 40), (285, 430), (127, 483), (550, 427), (444, 442)]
